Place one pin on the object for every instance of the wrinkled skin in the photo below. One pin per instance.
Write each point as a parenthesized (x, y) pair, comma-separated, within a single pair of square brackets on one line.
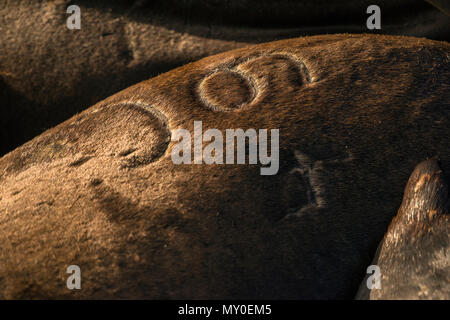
[(356, 113)]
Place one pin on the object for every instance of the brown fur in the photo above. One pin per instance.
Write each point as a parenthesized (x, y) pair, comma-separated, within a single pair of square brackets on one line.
[(48, 73), (355, 113)]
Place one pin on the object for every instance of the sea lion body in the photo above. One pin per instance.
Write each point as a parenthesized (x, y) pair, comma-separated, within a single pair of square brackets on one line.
[(355, 114), (48, 72), (414, 255)]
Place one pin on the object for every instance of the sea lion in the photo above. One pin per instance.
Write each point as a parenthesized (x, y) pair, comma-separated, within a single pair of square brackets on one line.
[(54, 72), (355, 113), (414, 255)]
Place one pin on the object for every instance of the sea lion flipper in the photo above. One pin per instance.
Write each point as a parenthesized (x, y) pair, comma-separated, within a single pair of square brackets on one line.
[(426, 194), (412, 258)]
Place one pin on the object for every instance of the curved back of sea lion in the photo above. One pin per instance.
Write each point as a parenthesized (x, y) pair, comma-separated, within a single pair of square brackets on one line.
[(413, 256), (355, 113), (53, 72)]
